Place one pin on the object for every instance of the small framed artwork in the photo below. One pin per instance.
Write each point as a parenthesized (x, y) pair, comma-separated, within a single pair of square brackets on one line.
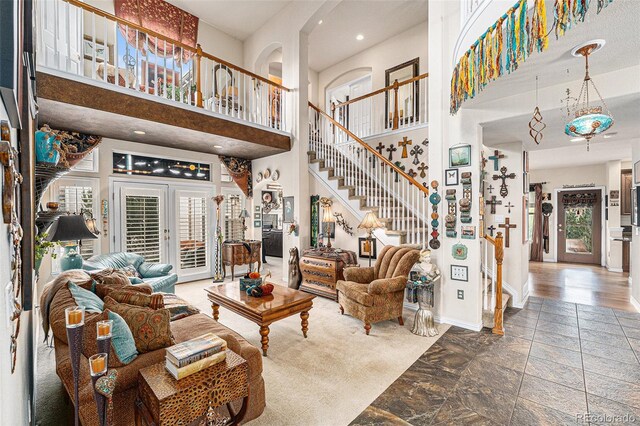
[(459, 273), (367, 248), (451, 177), (636, 173), (468, 232), (288, 209), (256, 216), (460, 156), (257, 223), (635, 206), (257, 209)]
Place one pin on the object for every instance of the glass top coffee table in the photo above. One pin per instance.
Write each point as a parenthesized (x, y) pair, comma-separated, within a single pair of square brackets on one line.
[(282, 303)]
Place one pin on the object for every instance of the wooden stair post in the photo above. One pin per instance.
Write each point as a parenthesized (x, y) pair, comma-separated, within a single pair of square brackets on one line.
[(199, 102), (396, 116), (498, 314)]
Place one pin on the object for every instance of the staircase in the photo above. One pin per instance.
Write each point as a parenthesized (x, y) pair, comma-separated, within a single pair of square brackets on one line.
[(365, 181)]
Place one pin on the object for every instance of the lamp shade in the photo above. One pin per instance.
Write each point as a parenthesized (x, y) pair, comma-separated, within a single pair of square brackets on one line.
[(370, 222), (244, 214), (327, 216), (70, 228)]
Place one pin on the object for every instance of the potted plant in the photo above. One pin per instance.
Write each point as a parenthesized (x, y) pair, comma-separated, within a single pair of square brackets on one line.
[(44, 247)]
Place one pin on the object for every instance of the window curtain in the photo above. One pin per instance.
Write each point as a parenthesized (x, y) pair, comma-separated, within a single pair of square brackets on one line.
[(536, 246), (163, 18), (240, 171)]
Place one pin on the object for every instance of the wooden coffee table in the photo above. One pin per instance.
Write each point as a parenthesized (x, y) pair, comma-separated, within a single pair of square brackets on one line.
[(282, 303)]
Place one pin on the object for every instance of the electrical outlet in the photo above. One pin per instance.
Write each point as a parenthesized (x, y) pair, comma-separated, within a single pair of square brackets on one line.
[(461, 294)]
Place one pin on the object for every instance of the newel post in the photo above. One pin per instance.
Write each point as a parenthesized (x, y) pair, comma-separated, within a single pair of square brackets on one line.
[(498, 314), (199, 102), (396, 112)]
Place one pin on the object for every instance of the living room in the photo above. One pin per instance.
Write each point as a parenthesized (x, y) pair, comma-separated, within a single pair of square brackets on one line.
[(280, 212)]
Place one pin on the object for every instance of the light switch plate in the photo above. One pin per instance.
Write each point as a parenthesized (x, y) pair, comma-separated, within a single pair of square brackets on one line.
[(461, 294), (459, 273)]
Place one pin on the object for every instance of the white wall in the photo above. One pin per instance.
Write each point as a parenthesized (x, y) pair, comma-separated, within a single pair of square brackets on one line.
[(375, 60), (635, 244)]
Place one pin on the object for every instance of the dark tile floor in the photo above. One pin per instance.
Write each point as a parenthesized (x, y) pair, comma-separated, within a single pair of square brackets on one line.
[(558, 363)]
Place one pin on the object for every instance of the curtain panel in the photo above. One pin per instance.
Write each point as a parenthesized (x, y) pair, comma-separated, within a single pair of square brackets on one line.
[(536, 245), (163, 18)]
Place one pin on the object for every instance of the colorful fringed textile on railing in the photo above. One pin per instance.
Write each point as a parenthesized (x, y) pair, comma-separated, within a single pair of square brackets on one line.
[(504, 47)]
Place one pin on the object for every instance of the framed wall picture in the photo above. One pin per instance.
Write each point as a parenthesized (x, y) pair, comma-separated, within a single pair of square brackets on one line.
[(636, 173), (459, 273), (257, 223), (257, 209), (635, 206), (257, 216), (451, 177), (460, 156), (367, 248), (408, 94), (288, 209)]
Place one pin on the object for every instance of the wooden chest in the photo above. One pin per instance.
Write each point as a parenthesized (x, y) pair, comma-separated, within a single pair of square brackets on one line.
[(237, 254), (321, 272)]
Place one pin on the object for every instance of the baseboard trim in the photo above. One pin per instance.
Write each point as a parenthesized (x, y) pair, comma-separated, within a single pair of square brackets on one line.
[(614, 269), (635, 303), (463, 324)]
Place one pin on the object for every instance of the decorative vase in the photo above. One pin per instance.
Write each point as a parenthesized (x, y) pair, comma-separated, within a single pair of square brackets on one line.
[(46, 148), (71, 258)]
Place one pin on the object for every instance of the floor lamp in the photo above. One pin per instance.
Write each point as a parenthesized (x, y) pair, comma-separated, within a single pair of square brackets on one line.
[(370, 223)]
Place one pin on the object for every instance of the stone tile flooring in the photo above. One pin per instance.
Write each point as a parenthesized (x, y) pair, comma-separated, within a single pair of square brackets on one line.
[(558, 363)]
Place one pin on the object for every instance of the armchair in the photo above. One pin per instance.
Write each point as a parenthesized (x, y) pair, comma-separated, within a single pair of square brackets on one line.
[(376, 293)]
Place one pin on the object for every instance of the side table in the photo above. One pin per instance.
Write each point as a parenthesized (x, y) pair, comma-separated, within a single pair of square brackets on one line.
[(162, 400)]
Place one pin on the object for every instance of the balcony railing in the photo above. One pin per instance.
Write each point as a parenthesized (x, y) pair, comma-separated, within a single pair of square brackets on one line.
[(401, 105), (79, 39)]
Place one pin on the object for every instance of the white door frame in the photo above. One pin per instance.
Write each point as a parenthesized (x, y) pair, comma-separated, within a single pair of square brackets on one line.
[(603, 191)]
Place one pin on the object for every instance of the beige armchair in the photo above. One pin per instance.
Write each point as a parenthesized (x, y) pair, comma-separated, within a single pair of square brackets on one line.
[(376, 293)]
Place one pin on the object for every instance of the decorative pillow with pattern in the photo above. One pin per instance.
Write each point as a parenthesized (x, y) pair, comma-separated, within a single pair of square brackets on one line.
[(132, 297), (150, 328), (103, 290), (178, 307)]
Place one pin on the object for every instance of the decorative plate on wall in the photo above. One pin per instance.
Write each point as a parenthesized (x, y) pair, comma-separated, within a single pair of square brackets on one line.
[(259, 177), (276, 176), (267, 173), (266, 197)]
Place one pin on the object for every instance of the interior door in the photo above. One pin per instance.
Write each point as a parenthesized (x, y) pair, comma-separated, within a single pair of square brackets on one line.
[(580, 226), (192, 247), (61, 36), (141, 220)]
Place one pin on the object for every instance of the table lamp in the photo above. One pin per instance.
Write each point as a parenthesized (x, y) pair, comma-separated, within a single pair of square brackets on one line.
[(370, 223), (71, 228), (327, 218), (244, 214)]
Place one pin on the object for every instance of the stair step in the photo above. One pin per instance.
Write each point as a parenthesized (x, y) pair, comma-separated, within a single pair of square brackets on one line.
[(487, 314)]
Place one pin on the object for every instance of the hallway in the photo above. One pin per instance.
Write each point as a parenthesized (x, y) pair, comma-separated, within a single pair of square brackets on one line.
[(579, 283)]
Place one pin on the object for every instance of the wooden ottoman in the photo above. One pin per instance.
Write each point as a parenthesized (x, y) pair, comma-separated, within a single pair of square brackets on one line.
[(162, 400)]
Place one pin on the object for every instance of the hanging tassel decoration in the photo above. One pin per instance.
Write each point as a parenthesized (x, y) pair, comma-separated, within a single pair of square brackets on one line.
[(562, 17), (539, 26), (602, 4), (580, 8)]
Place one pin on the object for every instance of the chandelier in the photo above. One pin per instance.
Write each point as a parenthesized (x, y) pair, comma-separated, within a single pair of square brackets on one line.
[(588, 120)]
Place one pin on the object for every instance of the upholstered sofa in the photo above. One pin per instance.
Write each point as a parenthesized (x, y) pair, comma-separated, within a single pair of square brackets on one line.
[(127, 381), (157, 275), (376, 293)]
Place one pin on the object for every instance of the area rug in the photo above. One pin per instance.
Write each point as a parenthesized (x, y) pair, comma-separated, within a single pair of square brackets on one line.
[(333, 375)]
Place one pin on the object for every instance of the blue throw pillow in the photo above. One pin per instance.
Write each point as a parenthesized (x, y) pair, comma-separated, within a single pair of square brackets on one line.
[(85, 298), (154, 270), (122, 339), (135, 280)]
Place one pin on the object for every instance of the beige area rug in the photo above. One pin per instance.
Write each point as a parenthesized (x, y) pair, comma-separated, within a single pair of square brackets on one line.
[(333, 375)]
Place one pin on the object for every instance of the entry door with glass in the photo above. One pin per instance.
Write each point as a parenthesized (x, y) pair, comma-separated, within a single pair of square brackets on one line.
[(580, 226)]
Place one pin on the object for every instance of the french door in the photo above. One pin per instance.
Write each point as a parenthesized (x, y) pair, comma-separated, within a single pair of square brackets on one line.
[(166, 224), (580, 226)]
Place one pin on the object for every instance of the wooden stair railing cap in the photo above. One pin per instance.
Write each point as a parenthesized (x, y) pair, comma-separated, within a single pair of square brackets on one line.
[(392, 86), (371, 150)]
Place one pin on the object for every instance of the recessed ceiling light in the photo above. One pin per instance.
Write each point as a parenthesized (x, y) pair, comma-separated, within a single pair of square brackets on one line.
[(217, 146), (139, 132), (578, 139), (320, 22), (359, 37)]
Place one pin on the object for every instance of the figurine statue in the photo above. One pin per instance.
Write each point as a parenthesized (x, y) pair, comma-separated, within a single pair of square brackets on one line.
[(420, 289), (295, 275), (425, 267)]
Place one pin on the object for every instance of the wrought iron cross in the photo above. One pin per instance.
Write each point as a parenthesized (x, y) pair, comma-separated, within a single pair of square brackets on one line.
[(380, 147), (495, 158), (403, 143), (400, 166), (490, 189), (507, 226), (509, 206), (504, 176), (422, 167), (391, 149), (491, 229), (493, 202), (412, 173), (415, 152)]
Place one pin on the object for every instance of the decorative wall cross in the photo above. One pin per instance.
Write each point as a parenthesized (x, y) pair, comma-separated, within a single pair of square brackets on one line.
[(493, 203), (425, 142), (400, 166), (496, 158), (422, 167), (380, 147), (504, 176), (415, 152), (484, 160), (509, 206), (490, 189), (507, 226), (412, 173), (491, 229), (403, 143), (391, 149)]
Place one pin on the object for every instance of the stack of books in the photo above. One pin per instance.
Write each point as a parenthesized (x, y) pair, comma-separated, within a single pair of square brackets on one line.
[(187, 358)]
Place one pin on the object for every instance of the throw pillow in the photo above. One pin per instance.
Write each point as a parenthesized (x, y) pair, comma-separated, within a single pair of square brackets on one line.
[(178, 307), (153, 270), (89, 301), (135, 280), (130, 271), (103, 290), (150, 328), (125, 295), (123, 346)]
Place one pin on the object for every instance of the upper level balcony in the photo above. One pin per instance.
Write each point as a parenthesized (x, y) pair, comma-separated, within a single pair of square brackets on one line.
[(100, 74)]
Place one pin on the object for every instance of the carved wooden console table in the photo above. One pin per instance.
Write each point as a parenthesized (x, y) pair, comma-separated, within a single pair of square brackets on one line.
[(322, 268), (236, 253)]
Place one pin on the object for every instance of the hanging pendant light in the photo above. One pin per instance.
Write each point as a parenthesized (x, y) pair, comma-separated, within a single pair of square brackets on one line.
[(588, 120)]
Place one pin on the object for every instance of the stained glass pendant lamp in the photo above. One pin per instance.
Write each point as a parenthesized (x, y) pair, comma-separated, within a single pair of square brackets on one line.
[(589, 119)]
